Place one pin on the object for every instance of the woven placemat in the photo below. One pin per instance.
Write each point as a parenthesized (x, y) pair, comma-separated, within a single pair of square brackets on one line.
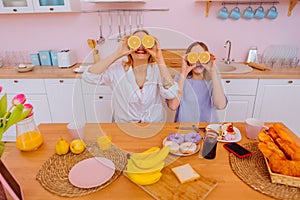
[(53, 175), (253, 171)]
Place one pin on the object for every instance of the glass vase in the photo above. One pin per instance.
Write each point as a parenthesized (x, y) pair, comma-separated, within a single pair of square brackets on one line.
[(28, 138)]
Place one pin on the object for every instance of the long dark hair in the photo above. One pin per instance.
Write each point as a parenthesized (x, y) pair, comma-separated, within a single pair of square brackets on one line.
[(189, 49), (129, 61)]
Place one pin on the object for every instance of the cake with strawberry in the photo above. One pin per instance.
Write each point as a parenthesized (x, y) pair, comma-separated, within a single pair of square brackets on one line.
[(228, 128), (228, 131)]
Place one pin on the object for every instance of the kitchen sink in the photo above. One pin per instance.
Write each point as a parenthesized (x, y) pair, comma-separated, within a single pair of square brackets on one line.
[(234, 68)]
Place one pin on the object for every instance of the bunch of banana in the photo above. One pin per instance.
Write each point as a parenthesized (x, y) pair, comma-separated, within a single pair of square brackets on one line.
[(145, 168)]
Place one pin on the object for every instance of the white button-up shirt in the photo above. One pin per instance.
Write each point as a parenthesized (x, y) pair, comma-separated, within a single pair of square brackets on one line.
[(130, 103)]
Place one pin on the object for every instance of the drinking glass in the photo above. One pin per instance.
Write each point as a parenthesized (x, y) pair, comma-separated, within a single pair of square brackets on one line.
[(29, 138), (209, 145)]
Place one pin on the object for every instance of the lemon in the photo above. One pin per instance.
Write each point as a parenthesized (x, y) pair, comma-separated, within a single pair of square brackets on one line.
[(62, 147), (148, 41), (204, 57), (77, 146), (134, 42), (192, 57), (104, 142)]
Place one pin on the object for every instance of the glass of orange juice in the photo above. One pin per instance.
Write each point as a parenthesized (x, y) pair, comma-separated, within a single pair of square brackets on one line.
[(29, 138)]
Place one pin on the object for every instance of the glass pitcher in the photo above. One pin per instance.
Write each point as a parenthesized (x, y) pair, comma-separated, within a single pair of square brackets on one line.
[(28, 138)]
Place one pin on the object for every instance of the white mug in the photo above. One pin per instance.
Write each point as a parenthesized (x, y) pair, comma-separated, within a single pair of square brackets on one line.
[(76, 130), (253, 127)]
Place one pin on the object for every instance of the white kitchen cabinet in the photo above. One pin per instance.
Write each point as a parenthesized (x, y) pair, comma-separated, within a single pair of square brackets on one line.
[(279, 100), (113, 1), (65, 100), (16, 6), (35, 92), (97, 103), (56, 5), (30, 6), (241, 97)]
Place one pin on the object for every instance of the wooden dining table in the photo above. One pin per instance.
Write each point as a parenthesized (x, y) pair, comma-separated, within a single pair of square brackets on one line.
[(131, 138)]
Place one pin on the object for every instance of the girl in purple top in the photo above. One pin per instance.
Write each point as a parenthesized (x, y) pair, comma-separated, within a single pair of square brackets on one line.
[(200, 91)]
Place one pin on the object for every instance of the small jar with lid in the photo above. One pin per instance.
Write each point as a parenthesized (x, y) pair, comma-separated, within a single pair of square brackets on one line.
[(28, 136)]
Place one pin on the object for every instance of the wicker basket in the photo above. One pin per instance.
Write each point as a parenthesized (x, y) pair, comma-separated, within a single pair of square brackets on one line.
[(283, 179), (53, 175)]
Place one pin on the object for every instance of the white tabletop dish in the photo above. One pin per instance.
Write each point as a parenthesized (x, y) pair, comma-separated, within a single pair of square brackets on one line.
[(80, 69), (91, 172), (218, 128), (180, 153), (25, 68)]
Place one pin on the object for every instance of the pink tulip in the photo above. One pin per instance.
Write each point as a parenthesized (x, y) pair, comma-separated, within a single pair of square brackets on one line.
[(0, 89), (27, 107), (19, 99)]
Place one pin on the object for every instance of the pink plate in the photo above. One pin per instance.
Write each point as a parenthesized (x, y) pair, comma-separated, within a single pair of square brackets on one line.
[(91, 172)]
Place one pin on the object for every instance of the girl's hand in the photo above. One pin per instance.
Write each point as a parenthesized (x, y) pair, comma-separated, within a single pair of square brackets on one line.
[(123, 49), (186, 68), (211, 65)]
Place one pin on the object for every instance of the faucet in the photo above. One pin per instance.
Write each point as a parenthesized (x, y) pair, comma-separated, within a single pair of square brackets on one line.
[(228, 44)]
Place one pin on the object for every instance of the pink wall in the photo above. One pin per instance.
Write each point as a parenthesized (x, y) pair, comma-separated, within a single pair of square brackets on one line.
[(34, 32)]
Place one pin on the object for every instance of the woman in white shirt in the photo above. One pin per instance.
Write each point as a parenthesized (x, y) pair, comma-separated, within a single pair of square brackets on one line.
[(138, 84)]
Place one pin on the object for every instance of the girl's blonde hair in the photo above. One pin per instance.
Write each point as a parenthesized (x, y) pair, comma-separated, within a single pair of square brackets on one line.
[(129, 61)]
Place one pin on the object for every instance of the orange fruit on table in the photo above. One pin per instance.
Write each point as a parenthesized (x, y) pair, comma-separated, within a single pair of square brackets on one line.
[(192, 57), (204, 57), (77, 146), (134, 42), (148, 41)]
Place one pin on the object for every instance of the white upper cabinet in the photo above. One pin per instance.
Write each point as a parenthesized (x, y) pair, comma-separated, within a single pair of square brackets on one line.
[(56, 5), (112, 1), (30, 6), (16, 6)]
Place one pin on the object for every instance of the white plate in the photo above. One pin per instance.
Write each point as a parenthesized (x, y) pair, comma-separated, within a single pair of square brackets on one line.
[(237, 136), (26, 68), (80, 69), (91, 172), (183, 154)]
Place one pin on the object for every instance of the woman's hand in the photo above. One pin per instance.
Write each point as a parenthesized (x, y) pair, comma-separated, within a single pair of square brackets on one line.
[(123, 49), (186, 68), (155, 51)]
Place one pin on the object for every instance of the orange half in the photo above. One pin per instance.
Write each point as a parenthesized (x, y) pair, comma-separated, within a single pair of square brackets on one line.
[(192, 57), (148, 41), (204, 57), (134, 42)]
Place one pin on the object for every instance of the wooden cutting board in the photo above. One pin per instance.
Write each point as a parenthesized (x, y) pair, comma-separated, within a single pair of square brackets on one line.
[(168, 187)]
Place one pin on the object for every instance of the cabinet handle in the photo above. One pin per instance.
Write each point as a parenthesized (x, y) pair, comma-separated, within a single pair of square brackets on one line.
[(100, 97), (227, 81), (51, 9), (15, 10), (290, 82), (174, 62), (61, 81), (16, 81)]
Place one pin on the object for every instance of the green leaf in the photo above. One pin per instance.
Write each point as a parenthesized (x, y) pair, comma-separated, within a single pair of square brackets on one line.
[(16, 116), (3, 105), (25, 113)]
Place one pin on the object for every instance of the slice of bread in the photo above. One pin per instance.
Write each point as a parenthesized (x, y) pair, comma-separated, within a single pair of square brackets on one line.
[(185, 173)]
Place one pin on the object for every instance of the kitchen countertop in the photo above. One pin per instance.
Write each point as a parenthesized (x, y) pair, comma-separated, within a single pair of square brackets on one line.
[(219, 168), (55, 72)]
